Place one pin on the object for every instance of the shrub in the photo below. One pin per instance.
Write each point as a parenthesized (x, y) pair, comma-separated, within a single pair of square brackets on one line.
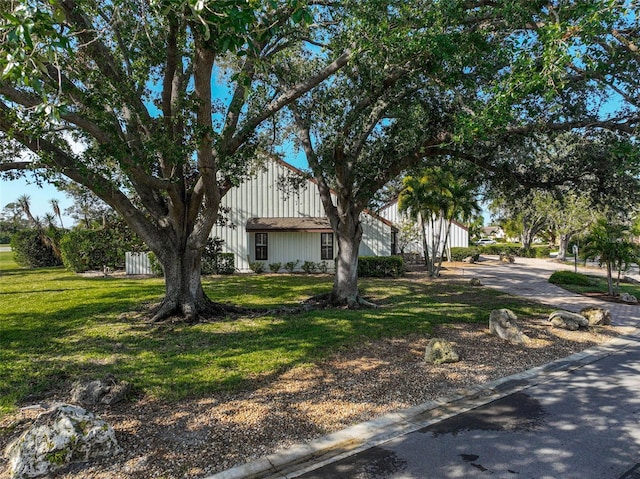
[(275, 267), (309, 267), (501, 248), (322, 266), (156, 266), (569, 277), (31, 250), (380, 266), (92, 249), (256, 266), (291, 265), (214, 261), (458, 254), (542, 251), (225, 263), (527, 253)]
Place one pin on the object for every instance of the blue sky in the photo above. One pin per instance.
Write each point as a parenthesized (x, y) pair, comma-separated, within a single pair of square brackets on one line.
[(40, 196), (10, 190)]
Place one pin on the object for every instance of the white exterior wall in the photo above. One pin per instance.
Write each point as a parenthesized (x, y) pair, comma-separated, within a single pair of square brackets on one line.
[(260, 197), (458, 234), (284, 247)]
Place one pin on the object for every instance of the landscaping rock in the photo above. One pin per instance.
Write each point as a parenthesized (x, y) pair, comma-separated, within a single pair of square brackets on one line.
[(62, 435), (568, 320), (101, 391), (469, 259), (596, 316), (629, 279), (503, 323), (475, 282), (628, 298), (507, 258), (440, 351)]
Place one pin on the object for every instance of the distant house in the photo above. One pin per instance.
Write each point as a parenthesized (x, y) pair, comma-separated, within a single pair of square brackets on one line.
[(458, 233), (493, 232), (277, 216)]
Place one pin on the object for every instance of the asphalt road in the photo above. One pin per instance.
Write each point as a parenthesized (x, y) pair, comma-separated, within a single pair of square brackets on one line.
[(583, 424)]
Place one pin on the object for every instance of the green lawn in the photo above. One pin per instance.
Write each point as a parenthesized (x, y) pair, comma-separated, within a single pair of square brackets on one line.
[(588, 283), (57, 327)]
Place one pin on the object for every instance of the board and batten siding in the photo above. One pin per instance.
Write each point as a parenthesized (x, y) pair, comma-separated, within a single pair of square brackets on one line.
[(260, 196), (458, 233)]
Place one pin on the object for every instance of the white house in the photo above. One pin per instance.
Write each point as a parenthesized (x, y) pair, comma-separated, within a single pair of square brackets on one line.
[(458, 233), (276, 216)]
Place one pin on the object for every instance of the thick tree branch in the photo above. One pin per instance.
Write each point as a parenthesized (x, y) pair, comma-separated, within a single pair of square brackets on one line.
[(65, 163), (16, 165), (287, 97), (31, 101)]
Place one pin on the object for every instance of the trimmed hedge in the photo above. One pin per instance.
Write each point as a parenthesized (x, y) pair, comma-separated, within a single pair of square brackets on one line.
[(380, 266), (30, 251), (501, 248), (458, 253)]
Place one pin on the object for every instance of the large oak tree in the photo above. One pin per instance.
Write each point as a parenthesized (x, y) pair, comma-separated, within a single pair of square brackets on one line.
[(452, 80), (168, 101)]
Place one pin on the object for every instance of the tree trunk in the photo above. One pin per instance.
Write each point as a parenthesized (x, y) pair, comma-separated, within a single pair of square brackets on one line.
[(527, 238), (425, 243), (184, 295), (345, 284), (562, 252), (444, 247), (610, 278)]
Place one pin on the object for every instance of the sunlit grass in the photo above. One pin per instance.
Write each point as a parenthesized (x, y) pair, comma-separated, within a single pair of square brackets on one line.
[(57, 327), (589, 283)]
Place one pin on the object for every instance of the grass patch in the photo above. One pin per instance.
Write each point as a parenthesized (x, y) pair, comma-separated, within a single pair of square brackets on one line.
[(57, 327), (570, 278), (586, 283)]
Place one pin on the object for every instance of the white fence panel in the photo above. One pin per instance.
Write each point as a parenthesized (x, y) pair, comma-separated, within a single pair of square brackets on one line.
[(137, 263)]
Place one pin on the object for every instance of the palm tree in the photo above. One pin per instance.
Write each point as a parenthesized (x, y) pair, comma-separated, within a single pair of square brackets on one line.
[(411, 201), (55, 205), (610, 245), (461, 203), (24, 202), (438, 198)]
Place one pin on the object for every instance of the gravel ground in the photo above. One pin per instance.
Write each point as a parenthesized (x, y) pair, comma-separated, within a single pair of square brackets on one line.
[(192, 439)]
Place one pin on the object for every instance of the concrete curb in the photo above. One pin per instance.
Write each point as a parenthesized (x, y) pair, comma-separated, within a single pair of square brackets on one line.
[(299, 459)]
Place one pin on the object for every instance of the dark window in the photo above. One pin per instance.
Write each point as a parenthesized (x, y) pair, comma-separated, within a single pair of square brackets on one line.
[(394, 243), (261, 246), (326, 246)]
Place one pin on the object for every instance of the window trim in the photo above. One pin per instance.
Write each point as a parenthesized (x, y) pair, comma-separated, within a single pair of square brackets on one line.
[(326, 247), (261, 249)]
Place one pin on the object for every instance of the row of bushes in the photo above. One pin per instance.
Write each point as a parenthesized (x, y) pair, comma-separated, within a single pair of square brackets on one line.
[(458, 254), (380, 266), (308, 267), (368, 266)]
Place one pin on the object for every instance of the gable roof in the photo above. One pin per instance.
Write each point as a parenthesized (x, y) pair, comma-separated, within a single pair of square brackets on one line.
[(313, 180)]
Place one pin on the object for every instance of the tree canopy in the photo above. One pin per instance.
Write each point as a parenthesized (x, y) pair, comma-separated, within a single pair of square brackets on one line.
[(158, 108)]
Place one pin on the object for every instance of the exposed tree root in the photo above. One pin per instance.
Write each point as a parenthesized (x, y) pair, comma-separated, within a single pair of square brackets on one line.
[(328, 300), (204, 311)]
